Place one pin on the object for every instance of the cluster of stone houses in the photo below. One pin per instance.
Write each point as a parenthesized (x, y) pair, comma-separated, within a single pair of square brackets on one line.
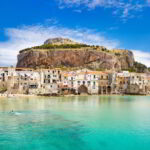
[(58, 82)]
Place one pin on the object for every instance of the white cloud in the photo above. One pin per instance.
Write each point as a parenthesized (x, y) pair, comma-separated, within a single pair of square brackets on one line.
[(143, 57), (123, 8), (28, 36)]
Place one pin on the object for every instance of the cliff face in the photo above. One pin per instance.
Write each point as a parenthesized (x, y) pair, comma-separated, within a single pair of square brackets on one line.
[(125, 58), (90, 57)]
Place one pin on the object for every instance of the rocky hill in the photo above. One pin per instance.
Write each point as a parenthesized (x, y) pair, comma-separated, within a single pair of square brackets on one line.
[(61, 52), (59, 41)]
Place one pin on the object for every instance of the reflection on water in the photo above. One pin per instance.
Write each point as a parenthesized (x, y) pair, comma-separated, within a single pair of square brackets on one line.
[(70, 123), (40, 103)]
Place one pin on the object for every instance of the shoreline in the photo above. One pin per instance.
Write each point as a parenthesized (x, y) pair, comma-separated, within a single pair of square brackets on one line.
[(71, 95), (16, 95)]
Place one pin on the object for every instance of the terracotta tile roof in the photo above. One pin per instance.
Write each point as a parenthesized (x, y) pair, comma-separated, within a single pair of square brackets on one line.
[(97, 72), (68, 74)]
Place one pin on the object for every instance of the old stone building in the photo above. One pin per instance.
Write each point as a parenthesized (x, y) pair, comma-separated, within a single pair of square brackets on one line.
[(139, 79), (50, 81), (84, 81), (104, 83), (3, 79), (122, 81), (133, 89)]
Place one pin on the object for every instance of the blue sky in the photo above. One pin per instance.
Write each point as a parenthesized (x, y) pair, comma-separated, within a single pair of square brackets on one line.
[(111, 23)]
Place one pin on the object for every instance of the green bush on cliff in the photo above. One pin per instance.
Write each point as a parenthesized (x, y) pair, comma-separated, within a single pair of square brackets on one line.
[(24, 50), (117, 54), (140, 68), (50, 46), (99, 69), (3, 90), (132, 69)]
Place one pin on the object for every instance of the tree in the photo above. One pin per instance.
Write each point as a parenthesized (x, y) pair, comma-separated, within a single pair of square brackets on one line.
[(139, 67)]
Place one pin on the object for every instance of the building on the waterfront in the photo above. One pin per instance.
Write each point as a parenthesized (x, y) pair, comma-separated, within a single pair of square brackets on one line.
[(122, 81), (86, 81), (3, 78), (56, 81), (50, 81), (105, 80), (139, 80), (148, 84), (81, 81)]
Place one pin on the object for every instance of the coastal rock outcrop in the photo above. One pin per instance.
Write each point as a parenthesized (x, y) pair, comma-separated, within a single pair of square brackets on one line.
[(59, 41), (60, 52)]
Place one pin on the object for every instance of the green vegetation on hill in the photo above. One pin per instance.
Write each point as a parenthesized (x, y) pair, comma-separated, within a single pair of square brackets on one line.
[(51, 46), (3, 90), (138, 67), (117, 54), (65, 46)]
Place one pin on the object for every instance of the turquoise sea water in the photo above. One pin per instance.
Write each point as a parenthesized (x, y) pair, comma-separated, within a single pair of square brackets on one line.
[(75, 123)]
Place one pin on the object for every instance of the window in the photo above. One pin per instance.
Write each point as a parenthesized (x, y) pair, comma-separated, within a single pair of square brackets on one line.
[(89, 82), (94, 85), (60, 77), (54, 81)]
